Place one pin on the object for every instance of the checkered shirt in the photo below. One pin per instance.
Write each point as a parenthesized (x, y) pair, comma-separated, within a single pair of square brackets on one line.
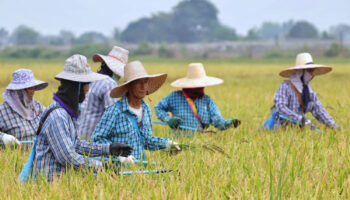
[(208, 111), (116, 127), (59, 147), (287, 103), (96, 102), (14, 124)]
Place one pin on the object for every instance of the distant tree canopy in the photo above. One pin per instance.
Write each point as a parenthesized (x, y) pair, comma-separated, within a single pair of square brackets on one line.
[(24, 35), (189, 21), (303, 29)]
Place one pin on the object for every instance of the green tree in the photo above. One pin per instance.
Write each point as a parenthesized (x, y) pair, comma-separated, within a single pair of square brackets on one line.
[(4, 36), (303, 29), (91, 37), (24, 35), (221, 33)]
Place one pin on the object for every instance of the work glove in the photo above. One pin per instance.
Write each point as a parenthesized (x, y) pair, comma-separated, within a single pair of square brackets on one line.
[(174, 123), (9, 139), (173, 145), (236, 122), (127, 160), (307, 122), (119, 149)]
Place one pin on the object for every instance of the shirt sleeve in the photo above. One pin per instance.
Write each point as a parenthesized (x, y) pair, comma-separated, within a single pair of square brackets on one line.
[(107, 99), (321, 114), (162, 108), (104, 129), (61, 144), (91, 149), (281, 102), (215, 116)]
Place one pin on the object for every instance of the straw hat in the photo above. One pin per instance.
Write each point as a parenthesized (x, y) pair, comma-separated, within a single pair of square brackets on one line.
[(24, 78), (305, 61), (116, 60), (77, 69), (135, 71), (196, 77)]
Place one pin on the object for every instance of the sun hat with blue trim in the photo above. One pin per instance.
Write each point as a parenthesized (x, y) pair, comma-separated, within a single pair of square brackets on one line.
[(24, 78), (76, 68)]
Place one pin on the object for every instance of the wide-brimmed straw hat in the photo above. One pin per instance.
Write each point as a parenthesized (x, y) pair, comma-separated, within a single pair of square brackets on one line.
[(305, 61), (196, 77), (24, 78), (76, 68), (135, 71), (116, 60)]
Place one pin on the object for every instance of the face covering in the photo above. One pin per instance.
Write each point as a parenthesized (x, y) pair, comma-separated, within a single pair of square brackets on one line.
[(194, 93), (301, 80), (105, 70), (21, 103), (71, 94)]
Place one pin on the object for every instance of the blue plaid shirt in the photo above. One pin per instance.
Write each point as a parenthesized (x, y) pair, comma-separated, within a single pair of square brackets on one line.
[(287, 103), (59, 147), (116, 127), (96, 102), (208, 111), (14, 124)]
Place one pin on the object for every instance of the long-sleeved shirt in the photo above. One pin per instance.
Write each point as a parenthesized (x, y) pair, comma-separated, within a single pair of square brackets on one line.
[(96, 102), (116, 127), (176, 104), (287, 103), (59, 147), (14, 124)]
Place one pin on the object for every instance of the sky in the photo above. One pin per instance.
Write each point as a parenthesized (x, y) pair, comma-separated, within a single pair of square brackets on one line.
[(49, 17)]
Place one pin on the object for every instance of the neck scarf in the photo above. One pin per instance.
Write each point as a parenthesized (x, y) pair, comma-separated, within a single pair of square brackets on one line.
[(21, 103), (194, 93), (301, 80)]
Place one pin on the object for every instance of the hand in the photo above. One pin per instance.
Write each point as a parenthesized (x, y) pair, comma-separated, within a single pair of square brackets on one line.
[(236, 122), (173, 145), (174, 123), (9, 139), (118, 149), (127, 160)]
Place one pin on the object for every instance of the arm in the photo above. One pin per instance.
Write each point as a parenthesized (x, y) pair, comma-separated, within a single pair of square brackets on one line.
[(104, 129), (321, 114), (62, 146), (281, 103), (215, 116), (92, 149), (162, 108)]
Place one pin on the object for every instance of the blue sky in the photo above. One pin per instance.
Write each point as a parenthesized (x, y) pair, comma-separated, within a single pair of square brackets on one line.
[(49, 17)]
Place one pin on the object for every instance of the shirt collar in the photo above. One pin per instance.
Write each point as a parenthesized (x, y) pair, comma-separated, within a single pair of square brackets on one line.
[(59, 101), (125, 107)]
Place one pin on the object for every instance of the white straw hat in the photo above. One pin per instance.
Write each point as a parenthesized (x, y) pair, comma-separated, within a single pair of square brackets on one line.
[(135, 71), (305, 61), (116, 60), (77, 69), (24, 78), (196, 77)]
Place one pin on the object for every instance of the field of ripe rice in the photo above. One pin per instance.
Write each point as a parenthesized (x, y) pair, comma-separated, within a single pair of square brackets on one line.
[(289, 164)]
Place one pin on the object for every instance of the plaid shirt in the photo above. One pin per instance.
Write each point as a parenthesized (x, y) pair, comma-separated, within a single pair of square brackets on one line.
[(96, 102), (208, 111), (287, 103), (14, 124), (116, 127), (58, 146)]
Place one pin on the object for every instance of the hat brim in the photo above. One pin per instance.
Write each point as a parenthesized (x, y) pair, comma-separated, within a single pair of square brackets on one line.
[(207, 81), (318, 70), (39, 85), (155, 82), (84, 78), (115, 65)]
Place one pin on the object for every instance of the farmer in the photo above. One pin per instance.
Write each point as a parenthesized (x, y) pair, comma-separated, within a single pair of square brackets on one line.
[(295, 97), (129, 120), (97, 99), (20, 113), (190, 106), (58, 145)]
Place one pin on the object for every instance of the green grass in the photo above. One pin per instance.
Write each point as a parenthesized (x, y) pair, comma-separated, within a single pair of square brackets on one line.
[(277, 165)]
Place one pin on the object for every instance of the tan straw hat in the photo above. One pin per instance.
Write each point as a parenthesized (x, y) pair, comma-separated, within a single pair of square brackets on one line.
[(305, 61), (135, 71), (196, 77), (116, 60)]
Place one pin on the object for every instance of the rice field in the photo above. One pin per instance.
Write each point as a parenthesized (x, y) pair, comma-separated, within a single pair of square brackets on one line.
[(288, 164)]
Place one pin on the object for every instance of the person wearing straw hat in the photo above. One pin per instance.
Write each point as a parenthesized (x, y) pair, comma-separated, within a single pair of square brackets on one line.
[(57, 146), (20, 113), (190, 106), (97, 99), (295, 97), (129, 120)]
